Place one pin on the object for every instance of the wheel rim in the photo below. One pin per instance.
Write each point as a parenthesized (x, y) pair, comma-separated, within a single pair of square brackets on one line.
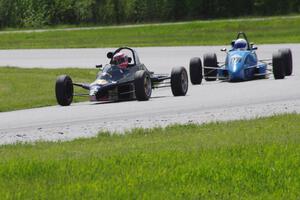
[(147, 86), (184, 81)]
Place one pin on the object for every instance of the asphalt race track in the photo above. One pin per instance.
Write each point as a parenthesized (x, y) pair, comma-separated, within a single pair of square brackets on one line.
[(213, 101)]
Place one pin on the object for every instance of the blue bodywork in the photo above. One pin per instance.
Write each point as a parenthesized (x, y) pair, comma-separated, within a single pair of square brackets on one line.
[(242, 65)]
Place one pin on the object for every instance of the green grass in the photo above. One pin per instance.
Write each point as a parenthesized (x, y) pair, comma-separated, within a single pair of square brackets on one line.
[(219, 32), (257, 159), (29, 88)]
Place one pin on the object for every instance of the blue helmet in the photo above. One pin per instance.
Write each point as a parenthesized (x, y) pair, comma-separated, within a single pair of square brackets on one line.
[(241, 44)]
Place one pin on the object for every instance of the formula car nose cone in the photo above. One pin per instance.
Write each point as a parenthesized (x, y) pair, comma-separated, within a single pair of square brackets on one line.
[(94, 90), (235, 72)]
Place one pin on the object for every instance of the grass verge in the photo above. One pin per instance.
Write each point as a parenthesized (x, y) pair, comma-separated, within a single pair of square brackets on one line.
[(29, 88), (218, 32), (256, 159)]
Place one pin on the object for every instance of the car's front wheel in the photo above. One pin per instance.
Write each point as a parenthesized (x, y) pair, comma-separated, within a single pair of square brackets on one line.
[(196, 71), (64, 90), (179, 81), (278, 65), (143, 85)]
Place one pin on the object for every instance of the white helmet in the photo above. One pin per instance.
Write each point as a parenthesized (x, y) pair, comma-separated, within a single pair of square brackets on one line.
[(241, 44)]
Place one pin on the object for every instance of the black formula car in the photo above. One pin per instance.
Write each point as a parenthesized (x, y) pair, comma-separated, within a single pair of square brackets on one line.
[(116, 84)]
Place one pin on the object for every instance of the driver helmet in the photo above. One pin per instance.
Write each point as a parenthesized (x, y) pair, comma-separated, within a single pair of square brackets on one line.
[(121, 60), (241, 44)]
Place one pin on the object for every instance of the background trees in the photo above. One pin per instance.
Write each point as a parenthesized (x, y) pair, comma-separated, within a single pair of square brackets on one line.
[(38, 13)]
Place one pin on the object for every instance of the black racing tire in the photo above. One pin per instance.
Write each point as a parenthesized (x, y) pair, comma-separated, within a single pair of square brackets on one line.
[(287, 60), (64, 90), (278, 65), (210, 60), (143, 85), (179, 81), (196, 71)]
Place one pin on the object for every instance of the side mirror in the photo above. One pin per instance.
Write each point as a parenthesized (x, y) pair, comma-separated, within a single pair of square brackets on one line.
[(252, 46), (224, 49), (110, 55), (129, 60), (98, 66)]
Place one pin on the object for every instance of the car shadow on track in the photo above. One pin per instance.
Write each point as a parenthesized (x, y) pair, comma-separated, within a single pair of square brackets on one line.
[(122, 101)]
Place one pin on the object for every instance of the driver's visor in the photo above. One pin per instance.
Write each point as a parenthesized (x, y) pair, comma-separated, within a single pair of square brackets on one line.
[(118, 61)]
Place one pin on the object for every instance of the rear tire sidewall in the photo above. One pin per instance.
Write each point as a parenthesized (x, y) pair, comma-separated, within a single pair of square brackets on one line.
[(287, 60), (179, 81), (210, 60), (64, 90), (143, 86)]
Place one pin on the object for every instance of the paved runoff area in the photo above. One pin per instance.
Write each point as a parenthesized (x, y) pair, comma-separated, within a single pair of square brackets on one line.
[(211, 101)]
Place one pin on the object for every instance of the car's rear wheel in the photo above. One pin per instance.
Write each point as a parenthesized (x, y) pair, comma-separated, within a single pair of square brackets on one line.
[(210, 62), (287, 60), (143, 85), (196, 71), (64, 90), (278, 65), (179, 81)]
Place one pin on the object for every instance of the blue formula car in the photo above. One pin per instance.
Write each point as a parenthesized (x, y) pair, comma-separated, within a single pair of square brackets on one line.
[(241, 64)]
